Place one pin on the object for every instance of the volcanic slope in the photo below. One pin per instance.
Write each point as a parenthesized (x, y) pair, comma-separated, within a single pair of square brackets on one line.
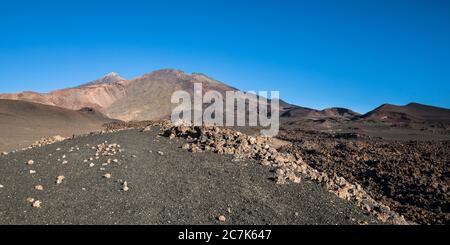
[(22, 123)]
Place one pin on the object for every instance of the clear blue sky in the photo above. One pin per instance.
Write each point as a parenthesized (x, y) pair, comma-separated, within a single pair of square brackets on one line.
[(355, 54)]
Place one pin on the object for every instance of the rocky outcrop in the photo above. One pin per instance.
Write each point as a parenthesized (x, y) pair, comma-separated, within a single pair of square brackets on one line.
[(287, 166)]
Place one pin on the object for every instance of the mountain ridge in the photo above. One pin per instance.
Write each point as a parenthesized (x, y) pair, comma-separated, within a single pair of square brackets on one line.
[(147, 97)]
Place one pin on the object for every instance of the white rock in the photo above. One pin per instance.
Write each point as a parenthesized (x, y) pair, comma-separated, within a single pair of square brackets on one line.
[(125, 186), (37, 204), (221, 218), (30, 162), (60, 179), (32, 171)]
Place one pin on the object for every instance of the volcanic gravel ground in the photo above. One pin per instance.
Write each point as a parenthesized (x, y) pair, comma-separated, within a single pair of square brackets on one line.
[(167, 185), (411, 177)]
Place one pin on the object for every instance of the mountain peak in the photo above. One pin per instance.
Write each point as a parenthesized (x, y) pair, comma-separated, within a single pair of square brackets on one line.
[(112, 77), (112, 74)]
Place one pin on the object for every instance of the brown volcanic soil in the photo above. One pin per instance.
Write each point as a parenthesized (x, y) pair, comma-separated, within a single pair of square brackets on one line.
[(412, 177), (22, 123)]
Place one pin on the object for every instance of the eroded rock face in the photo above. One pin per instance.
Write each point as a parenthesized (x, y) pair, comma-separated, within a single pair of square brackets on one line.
[(289, 167)]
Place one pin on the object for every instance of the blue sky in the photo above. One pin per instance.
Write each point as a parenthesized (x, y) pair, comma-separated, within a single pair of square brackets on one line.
[(355, 54)]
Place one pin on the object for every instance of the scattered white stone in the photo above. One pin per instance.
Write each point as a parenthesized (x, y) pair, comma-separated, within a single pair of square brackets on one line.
[(37, 204), (91, 165), (161, 153), (125, 186), (64, 162), (85, 160), (222, 218), (63, 156), (39, 187), (1, 186), (108, 176), (30, 199), (102, 169), (32, 171), (115, 160), (60, 179), (105, 164), (4, 153), (30, 162), (58, 149)]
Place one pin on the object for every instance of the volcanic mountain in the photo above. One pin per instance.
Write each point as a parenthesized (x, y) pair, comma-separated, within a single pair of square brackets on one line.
[(143, 98), (22, 122), (410, 113)]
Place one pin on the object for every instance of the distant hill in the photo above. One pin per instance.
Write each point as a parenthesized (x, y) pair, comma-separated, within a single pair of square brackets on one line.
[(22, 123), (410, 113), (298, 112)]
